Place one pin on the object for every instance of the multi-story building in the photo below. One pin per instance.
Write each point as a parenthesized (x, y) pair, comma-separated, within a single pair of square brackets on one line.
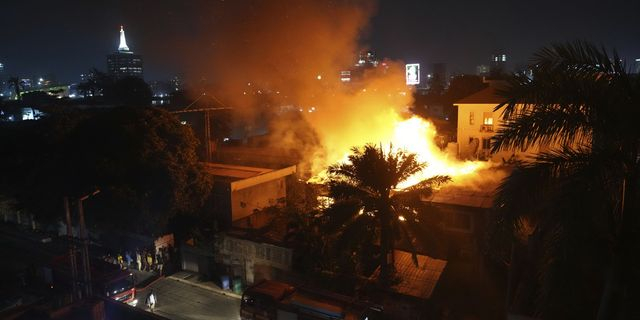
[(483, 70), (498, 62), (477, 124), (124, 63)]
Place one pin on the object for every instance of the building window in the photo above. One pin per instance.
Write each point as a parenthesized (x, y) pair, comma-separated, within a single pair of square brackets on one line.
[(471, 118), (487, 118)]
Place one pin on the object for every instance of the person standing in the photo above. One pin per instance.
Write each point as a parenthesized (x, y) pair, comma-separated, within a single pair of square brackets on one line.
[(159, 262), (120, 261), (127, 259), (138, 260), (149, 262)]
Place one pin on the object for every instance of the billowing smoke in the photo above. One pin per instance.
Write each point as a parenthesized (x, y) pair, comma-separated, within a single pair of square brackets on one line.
[(286, 56), (270, 58)]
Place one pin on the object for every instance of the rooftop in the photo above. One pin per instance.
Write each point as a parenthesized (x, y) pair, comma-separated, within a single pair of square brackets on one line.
[(476, 193), (415, 281), (234, 172), (485, 96)]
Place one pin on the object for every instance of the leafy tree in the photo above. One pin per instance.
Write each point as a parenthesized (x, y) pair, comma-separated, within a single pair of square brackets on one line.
[(142, 159), (578, 202), (129, 91), (370, 208)]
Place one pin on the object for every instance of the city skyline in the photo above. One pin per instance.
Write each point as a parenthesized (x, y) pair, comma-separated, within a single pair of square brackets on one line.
[(462, 35)]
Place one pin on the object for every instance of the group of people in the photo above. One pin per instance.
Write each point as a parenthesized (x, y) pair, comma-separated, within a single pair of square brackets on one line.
[(152, 260)]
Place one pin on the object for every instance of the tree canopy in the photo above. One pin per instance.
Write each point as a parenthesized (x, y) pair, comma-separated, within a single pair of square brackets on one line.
[(142, 159), (578, 202), (370, 209)]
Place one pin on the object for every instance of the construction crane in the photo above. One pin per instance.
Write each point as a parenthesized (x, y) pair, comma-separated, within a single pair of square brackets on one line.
[(207, 120)]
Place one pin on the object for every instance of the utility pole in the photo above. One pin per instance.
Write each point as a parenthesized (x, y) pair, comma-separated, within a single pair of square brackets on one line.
[(207, 134), (85, 245), (72, 252), (207, 126)]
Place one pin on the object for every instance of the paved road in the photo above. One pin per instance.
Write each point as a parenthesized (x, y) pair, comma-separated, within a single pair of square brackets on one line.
[(182, 301)]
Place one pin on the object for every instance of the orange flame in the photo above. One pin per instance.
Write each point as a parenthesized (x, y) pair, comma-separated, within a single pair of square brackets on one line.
[(416, 135)]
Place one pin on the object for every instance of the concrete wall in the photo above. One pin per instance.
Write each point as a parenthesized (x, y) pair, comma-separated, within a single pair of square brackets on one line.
[(268, 259), (259, 196)]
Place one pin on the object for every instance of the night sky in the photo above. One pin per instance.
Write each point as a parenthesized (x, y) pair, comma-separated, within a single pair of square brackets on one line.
[(66, 38)]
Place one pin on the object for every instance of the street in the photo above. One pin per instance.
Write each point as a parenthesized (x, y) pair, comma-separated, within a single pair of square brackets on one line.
[(179, 300)]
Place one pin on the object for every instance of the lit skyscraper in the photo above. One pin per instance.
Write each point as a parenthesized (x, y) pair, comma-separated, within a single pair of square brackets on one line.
[(498, 62), (124, 63)]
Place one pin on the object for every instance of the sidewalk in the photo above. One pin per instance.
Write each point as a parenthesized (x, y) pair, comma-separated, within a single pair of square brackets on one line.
[(193, 279)]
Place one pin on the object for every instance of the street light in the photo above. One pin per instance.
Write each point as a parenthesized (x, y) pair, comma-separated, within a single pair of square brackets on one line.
[(85, 243)]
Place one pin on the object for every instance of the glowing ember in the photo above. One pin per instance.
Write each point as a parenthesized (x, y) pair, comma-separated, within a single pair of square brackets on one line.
[(417, 135)]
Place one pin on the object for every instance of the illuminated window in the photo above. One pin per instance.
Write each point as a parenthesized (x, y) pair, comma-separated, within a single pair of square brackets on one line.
[(471, 118), (487, 119)]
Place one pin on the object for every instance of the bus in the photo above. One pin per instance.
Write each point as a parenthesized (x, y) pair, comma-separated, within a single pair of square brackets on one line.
[(272, 300), (107, 279)]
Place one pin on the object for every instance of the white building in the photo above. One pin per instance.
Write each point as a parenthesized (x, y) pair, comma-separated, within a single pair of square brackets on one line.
[(478, 122)]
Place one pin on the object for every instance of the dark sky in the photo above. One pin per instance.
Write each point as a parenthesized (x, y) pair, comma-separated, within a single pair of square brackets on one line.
[(67, 37)]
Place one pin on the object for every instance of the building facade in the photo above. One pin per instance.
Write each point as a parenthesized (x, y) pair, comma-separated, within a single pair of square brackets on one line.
[(124, 63), (478, 122)]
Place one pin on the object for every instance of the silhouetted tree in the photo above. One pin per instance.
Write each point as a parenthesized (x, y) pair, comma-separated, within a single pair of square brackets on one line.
[(129, 91), (370, 207), (142, 159), (579, 202)]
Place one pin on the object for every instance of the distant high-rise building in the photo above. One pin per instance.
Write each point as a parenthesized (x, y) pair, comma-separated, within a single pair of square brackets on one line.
[(637, 66), (498, 62), (177, 83), (367, 59), (483, 70), (439, 70), (1, 71), (124, 63)]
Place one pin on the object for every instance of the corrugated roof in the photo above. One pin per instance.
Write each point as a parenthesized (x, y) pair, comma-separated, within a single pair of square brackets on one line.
[(484, 96), (416, 281), (463, 197), (477, 193)]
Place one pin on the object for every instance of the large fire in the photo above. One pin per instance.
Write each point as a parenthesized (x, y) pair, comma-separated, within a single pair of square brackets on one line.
[(415, 135)]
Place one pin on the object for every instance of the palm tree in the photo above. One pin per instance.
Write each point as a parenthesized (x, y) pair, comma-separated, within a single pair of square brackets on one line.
[(580, 197), (368, 205)]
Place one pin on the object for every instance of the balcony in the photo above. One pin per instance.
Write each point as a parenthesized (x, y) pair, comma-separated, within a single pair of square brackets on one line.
[(486, 128)]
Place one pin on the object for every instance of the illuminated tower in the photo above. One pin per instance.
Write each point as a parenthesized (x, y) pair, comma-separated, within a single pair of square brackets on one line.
[(124, 63), (123, 41)]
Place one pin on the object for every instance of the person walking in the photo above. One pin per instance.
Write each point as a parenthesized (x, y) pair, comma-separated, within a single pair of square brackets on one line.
[(151, 301)]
